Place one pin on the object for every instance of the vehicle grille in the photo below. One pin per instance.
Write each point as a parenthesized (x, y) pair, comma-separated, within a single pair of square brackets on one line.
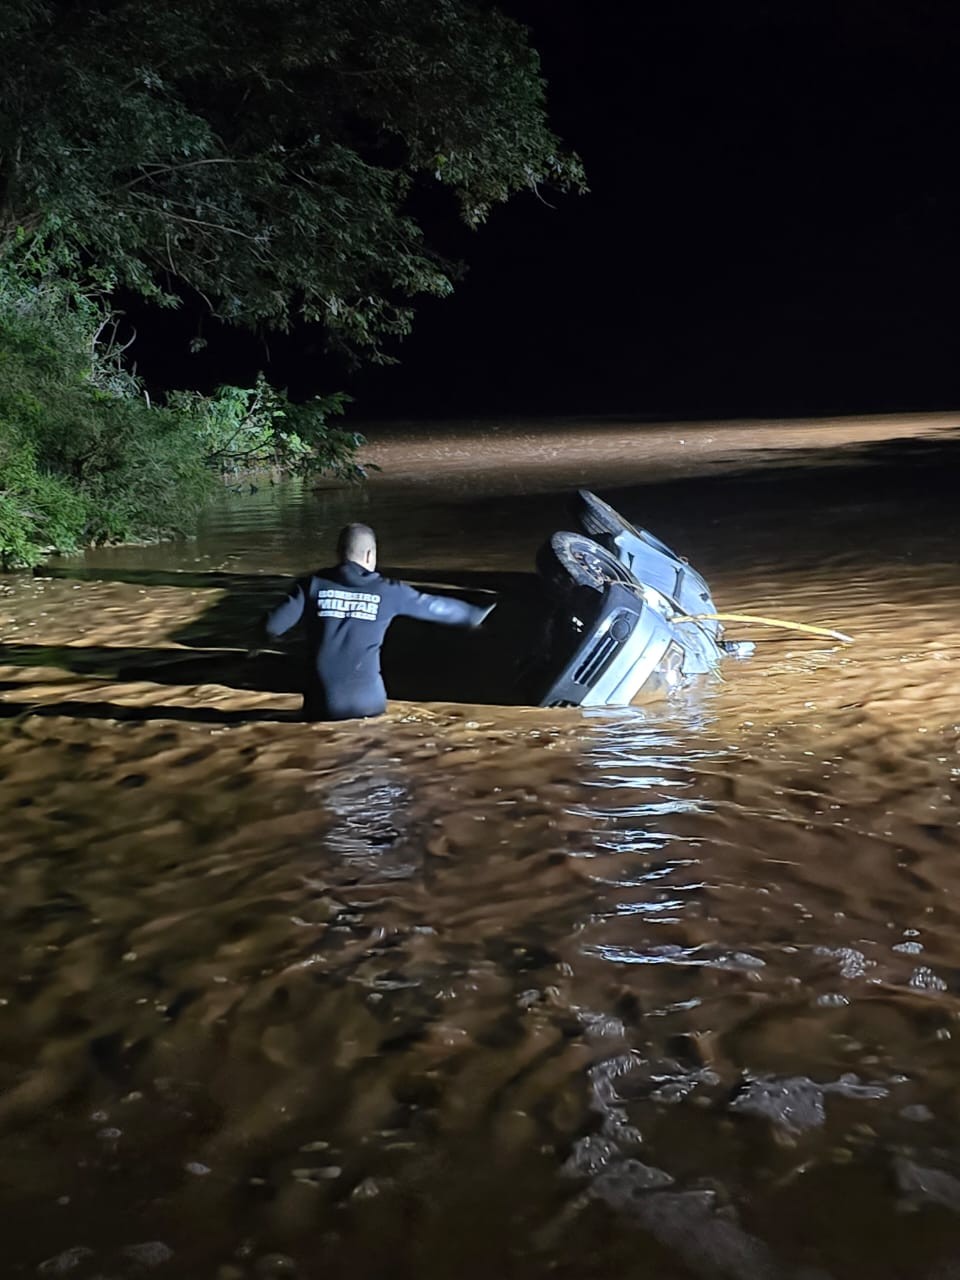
[(596, 660)]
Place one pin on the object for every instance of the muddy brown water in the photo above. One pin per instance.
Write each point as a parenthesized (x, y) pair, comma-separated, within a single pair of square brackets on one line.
[(478, 989)]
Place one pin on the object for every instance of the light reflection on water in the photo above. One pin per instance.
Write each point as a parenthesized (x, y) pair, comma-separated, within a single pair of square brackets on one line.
[(478, 989)]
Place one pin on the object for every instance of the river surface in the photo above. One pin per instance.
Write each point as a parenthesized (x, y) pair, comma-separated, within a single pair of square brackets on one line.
[(481, 990)]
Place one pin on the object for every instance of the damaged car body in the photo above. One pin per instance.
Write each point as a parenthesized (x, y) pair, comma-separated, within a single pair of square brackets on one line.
[(627, 616)]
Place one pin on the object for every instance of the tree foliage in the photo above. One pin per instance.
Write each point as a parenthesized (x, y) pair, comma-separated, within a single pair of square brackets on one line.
[(264, 152), (268, 154), (85, 457), (258, 428)]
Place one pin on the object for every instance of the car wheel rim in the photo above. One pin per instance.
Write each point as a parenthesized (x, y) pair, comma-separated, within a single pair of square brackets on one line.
[(597, 569)]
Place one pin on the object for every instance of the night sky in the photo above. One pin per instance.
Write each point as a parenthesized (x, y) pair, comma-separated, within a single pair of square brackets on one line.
[(773, 228)]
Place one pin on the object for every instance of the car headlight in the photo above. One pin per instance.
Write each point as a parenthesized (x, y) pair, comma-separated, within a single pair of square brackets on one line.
[(671, 664)]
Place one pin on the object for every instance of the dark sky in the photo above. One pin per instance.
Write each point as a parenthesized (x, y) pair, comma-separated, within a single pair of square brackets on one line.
[(773, 226)]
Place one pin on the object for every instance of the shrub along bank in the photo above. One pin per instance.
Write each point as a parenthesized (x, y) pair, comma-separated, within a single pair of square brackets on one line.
[(85, 457)]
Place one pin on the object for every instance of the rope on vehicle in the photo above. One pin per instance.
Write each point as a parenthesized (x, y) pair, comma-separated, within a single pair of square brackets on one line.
[(763, 622)]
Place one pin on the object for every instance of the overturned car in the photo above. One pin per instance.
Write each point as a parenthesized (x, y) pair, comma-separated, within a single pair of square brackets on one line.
[(628, 615)]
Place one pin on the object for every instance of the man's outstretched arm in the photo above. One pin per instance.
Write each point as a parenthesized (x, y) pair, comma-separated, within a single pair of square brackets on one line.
[(411, 603), (286, 614)]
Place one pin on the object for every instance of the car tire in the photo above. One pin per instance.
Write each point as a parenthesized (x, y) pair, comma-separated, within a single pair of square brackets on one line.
[(570, 560), (598, 519)]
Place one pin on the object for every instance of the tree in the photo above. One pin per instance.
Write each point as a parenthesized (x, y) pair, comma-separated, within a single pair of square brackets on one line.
[(86, 457), (265, 152)]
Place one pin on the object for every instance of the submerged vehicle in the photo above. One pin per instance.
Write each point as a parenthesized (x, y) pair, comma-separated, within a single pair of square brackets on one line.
[(626, 614), (650, 561)]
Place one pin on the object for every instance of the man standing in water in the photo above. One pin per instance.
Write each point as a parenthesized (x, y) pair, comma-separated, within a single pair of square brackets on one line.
[(346, 611)]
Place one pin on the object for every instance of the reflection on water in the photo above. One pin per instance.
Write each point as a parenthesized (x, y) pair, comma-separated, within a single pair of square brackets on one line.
[(370, 812), (470, 990)]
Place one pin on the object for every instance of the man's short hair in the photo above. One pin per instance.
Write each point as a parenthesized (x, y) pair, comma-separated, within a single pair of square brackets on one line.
[(355, 541)]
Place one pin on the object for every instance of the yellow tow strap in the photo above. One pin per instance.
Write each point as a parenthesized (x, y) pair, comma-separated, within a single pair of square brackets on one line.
[(763, 622)]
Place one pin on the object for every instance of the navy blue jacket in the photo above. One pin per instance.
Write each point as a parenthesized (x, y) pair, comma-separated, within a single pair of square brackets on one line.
[(346, 611)]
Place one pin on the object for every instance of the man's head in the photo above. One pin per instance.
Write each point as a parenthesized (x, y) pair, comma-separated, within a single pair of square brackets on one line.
[(358, 542)]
